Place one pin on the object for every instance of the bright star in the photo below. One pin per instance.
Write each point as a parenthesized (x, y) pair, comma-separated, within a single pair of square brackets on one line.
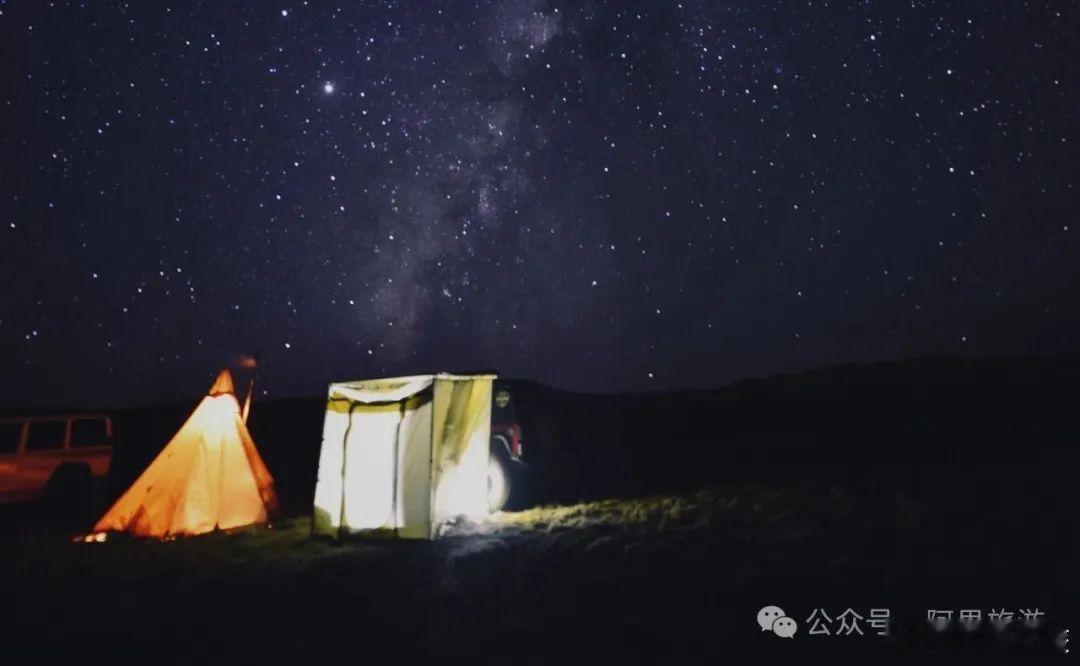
[(328, 87)]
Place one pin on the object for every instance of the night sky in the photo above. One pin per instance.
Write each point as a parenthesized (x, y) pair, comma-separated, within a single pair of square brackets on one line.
[(598, 195)]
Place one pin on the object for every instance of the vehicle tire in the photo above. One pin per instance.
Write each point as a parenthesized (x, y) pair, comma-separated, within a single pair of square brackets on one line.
[(498, 477), (68, 494)]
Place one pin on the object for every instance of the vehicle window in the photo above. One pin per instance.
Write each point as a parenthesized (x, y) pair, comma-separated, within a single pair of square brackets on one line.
[(502, 398), (45, 435), (9, 437), (88, 432)]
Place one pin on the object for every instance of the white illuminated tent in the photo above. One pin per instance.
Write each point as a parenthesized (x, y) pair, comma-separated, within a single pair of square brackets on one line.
[(402, 455)]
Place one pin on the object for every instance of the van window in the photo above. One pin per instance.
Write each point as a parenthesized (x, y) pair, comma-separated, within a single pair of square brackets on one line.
[(9, 437), (88, 432), (45, 435)]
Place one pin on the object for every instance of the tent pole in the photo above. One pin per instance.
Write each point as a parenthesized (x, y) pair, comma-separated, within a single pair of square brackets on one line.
[(431, 465), (397, 454), (251, 389), (344, 453), (221, 484), (247, 401)]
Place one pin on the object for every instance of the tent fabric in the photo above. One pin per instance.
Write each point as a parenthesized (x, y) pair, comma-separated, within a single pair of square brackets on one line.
[(209, 476), (401, 455), (460, 447), (382, 390), (223, 384)]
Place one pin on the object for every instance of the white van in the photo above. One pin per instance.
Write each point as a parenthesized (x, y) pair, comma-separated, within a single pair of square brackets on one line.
[(33, 448)]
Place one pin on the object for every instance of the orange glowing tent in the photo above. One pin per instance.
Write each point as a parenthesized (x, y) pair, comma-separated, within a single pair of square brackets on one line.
[(209, 476)]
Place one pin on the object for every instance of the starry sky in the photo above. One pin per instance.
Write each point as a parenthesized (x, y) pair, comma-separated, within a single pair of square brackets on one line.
[(603, 196)]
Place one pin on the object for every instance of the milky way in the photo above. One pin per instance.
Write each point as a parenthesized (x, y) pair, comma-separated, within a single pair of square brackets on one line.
[(601, 196)]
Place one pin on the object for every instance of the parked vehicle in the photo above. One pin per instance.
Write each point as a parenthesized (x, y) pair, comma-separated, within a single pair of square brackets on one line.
[(506, 461), (43, 454)]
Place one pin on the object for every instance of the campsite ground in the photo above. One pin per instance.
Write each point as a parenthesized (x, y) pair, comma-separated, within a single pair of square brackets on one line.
[(667, 522), (665, 577)]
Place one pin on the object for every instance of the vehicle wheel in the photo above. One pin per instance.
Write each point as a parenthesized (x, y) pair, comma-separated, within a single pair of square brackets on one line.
[(69, 492), (498, 478)]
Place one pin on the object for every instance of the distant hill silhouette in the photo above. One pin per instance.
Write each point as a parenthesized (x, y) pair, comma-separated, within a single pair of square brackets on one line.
[(899, 422), (921, 418)]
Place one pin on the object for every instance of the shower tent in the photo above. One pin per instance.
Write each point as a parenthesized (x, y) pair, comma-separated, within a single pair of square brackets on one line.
[(402, 455)]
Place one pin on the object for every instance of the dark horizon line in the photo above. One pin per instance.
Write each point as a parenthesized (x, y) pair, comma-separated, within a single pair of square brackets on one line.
[(41, 409)]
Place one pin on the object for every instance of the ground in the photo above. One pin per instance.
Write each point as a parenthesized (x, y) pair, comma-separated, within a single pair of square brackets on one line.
[(666, 577), (664, 523)]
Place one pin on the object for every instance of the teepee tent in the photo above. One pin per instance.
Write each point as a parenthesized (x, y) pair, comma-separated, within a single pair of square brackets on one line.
[(402, 455), (209, 476)]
